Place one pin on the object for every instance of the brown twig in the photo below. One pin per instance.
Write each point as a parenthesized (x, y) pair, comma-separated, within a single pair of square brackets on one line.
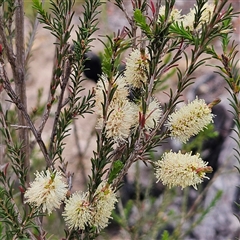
[(16, 100), (20, 84), (60, 102), (53, 84)]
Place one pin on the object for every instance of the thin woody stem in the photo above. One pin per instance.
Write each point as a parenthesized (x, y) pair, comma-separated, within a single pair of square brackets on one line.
[(60, 104), (16, 100), (19, 79)]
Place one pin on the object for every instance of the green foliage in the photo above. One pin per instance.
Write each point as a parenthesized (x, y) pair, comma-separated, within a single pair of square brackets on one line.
[(165, 235), (14, 225), (142, 22), (8, 17), (114, 47), (59, 22), (179, 31), (117, 167)]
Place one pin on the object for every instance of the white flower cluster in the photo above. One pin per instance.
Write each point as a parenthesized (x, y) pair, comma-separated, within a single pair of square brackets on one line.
[(175, 14), (136, 68), (178, 169), (189, 120), (123, 115), (104, 202), (77, 212), (188, 20), (206, 16), (47, 192), (80, 213)]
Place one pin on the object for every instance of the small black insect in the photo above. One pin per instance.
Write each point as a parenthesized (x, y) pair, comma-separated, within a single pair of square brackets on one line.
[(92, 66)]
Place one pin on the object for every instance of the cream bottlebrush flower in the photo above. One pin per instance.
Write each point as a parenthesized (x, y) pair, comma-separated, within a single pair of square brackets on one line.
[(189, 120), (103, 85), (207, 13), (122, 116), (104, 201), (177, 169), (174, 16), (153, 114), (136, 67), (47, 191), (77, 212), (189, 19)]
